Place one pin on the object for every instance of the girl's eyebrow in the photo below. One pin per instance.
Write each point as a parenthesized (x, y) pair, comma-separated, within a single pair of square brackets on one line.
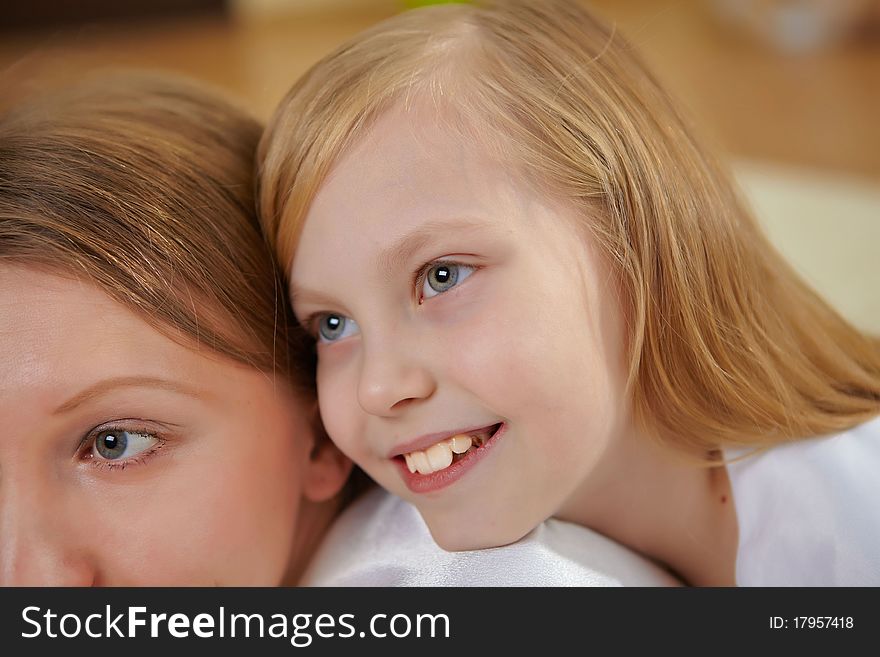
[(301, 295), (392, 258), (401, 251)]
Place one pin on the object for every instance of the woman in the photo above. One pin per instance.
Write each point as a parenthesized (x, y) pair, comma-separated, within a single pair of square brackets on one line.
[(153, 431)]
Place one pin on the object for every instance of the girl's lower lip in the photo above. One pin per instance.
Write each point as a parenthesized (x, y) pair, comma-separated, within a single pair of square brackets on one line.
[(419, 483)]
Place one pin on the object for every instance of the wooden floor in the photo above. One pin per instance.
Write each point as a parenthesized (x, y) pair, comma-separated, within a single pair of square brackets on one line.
[(816, 111)]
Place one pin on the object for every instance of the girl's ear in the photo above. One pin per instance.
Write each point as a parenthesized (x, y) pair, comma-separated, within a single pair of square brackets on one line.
[(328, 468)]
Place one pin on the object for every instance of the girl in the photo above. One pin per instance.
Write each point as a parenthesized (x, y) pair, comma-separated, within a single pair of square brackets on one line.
[(535, 294)]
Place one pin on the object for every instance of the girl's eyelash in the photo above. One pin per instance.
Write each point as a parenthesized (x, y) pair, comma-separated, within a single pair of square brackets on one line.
[(309, 323), (418, 278), (420, 274), (140, 459)]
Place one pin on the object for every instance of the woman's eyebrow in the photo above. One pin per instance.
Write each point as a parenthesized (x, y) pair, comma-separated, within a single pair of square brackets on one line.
[(394, 257), (108, 385)]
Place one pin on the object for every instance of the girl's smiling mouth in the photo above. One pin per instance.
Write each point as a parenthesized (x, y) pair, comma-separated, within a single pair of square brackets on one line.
[(448, 459)]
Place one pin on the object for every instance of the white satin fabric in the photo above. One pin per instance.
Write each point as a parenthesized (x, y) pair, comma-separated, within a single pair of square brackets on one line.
[(383, 541), (809, 512)]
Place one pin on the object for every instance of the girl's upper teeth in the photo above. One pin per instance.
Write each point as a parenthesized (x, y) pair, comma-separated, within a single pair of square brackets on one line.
[(439, 456), (460, 443)]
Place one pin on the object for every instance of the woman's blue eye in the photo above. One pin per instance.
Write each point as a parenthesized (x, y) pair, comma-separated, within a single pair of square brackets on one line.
[(116, 444), (444, 276), (332, 328)]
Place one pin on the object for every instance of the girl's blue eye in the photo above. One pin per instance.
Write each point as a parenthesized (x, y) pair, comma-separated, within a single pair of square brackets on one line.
[(116, 444), (332, 328), (444, 276)]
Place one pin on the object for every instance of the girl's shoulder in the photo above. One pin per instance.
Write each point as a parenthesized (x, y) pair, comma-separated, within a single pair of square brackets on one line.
[(381, 540), (808, 511)]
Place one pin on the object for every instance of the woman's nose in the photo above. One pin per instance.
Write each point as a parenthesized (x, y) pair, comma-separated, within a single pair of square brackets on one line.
[(393, 378), (33, 551)]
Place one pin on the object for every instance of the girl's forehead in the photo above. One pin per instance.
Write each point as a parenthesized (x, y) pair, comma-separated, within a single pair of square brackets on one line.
[(414, 202), (410, 173), (410, 161)]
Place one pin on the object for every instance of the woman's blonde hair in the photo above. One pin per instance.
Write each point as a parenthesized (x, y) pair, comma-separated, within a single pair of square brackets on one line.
[(143, 185), (727, 345)]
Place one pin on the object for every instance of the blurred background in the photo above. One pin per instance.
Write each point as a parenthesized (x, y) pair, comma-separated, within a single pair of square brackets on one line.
[(789, 89)]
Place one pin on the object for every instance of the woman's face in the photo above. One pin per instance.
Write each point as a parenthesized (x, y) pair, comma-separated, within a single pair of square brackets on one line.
[(128, 459)]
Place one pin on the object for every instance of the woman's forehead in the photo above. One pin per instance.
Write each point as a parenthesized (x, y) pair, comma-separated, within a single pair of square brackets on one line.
[(60, 332)]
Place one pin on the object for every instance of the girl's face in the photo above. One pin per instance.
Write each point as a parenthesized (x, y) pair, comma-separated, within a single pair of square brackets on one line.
[(451, 300), (128, 459)]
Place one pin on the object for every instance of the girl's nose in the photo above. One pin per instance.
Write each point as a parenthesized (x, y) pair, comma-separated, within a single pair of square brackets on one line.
[(392, 379)]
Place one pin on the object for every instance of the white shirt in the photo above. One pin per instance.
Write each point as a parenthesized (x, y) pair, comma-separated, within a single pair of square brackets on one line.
[(382, 541), (809, 512)]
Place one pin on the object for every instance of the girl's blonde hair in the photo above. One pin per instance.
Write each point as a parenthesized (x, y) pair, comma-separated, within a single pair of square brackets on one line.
[(727, 345), (143, 185)]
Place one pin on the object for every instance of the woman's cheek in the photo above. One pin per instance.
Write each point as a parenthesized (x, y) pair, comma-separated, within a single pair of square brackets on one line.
[(224, 509), (163, 538)]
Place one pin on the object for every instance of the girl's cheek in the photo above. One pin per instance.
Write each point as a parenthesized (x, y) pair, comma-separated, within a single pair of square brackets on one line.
[(339, 406), (464, 304)]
